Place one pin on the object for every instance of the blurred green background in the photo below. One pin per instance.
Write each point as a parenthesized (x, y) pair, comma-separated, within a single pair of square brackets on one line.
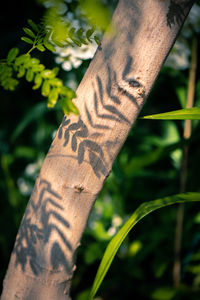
[(148, 167)]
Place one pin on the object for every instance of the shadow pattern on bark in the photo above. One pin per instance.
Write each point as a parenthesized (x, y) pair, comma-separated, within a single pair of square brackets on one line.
[(81, 137), (47, 211), (176, 11), (81, 143)]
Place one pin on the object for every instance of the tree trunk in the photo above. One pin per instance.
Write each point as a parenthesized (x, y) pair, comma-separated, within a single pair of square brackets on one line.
[(109, 99)]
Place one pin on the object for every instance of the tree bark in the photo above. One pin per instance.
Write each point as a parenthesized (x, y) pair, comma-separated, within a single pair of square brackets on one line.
[(80, 158)]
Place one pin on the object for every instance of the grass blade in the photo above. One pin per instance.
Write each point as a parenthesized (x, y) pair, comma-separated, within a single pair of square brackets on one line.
[(33, 114), (182, 114), (143, 210)]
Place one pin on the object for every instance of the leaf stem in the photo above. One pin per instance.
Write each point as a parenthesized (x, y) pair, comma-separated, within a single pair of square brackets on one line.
[(35, 41), (34, 46)]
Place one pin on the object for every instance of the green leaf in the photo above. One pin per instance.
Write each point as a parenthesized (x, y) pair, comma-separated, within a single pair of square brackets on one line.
[(83, 41), (89, 33), (27, 40), (56, 82), (31, 62), (38, 68), (64, 91), (71, 32), (38, 81), (33, 25), (45, 88), (12, 54), (56, 42), (25, 152), (53, 97), (69, 93), (5, 70), (49, 46), (182, 114), (29, 75), (72, 36), (143, 210), (40, 48), (97, 12), (40, 40), (21, 72), (97, 40), (55, 71), (76, 42), (10, 84), (164, 293), (31, 116), (182, 95), (22, 59), (68, 106), (48, 74), (80, 32), (34, 61), (29, 32)]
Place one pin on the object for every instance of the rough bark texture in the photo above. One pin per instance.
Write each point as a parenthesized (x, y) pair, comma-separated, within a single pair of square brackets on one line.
[(110, 97)]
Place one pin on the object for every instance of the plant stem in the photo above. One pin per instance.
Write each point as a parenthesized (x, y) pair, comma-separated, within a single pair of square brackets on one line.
[(35, 42), (184, 167), (31, 49)]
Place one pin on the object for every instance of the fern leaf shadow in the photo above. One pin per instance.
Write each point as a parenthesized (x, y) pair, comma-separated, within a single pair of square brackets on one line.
[(106, 101), (33, 236)]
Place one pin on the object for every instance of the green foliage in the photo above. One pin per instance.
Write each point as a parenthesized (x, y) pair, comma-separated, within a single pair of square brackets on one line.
[(182, 114), (54, 31), (97, 13), (51, 86), (61, 33), (12, 54), (92, 17), (6, 79), (36, 36), (143, 210)]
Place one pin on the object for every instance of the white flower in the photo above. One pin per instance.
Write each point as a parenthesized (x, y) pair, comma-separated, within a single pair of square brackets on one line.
[(31, 169), (59, 59), (75, 62), (116, 220), (72, 57), (24, 187), (67, 66), (112, 230)]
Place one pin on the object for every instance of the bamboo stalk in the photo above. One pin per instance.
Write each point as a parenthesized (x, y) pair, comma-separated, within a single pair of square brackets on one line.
[(184, 167)]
